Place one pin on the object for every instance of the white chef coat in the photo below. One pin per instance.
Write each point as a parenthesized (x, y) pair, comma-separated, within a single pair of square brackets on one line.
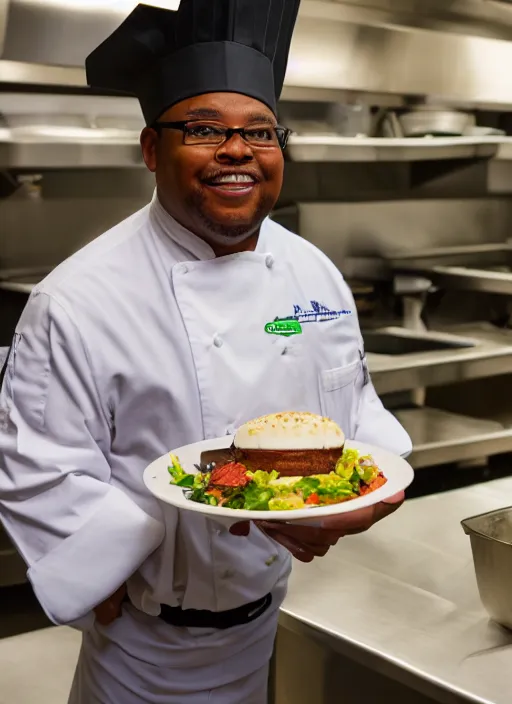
[(141, 342)]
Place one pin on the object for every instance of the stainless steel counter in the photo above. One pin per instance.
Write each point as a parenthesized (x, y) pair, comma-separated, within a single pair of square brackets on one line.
[(403, 601)]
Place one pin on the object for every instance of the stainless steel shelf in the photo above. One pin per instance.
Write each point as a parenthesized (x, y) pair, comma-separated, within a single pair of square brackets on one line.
[(70, 155), (481, 268), (333, 148), (440, 437), (490, 354)]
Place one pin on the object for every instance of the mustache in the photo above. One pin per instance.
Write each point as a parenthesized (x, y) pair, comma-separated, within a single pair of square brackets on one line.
[(255, 174)]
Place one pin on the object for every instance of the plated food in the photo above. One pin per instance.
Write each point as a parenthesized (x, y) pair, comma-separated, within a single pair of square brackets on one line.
[(282, 462)]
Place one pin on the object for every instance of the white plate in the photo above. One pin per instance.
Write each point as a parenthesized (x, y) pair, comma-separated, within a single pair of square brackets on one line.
[(397, 471)]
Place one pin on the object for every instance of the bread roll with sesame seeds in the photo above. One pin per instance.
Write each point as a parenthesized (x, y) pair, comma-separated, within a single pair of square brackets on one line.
[(292, 443)]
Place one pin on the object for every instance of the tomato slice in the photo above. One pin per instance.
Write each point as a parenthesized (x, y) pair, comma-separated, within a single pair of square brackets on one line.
[(313, 500), (232, 474)]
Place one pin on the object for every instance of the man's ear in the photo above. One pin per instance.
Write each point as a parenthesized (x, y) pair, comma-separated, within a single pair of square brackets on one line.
[(149, 142)]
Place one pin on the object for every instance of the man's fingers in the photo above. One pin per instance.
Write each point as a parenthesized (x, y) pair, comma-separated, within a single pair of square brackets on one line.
[(111, 609), (303, 551), (386, 508), (303, 534)]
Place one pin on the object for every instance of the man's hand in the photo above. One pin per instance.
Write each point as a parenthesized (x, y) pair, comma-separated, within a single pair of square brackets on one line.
[(111, 608), (307, 542)]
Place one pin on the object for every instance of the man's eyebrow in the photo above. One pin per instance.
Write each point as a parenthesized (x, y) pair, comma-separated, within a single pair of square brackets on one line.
[(203, 112), (211, 113), (260, 118)]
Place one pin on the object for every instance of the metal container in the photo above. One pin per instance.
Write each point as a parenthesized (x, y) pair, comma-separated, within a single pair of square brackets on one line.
[(491, 543), (435, 122)]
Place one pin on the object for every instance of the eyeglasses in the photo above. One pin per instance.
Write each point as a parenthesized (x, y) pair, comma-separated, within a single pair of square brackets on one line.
[(203, 134)]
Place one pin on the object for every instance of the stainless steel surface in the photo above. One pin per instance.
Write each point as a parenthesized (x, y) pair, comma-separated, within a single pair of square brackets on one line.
[(44, 131), (337, 47), (481, 268), (4, 6), (398, 342), (332, 52), (403, 601), (18, 72), (468, 279), (489, 355), (491, 544), (109, 152), (333, 148), (388, 229), (439, 437)]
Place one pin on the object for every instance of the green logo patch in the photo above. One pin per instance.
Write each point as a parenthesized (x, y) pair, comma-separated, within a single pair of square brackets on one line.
[(286, 328)]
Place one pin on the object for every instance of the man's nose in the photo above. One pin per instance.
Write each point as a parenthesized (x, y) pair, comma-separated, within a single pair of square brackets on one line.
[(235, 149)]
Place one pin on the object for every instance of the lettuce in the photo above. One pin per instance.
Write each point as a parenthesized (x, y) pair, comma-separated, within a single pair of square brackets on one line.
[(287, 503), (263, 478), (346, 464), (307, 486), (257, 497), (180, 477)]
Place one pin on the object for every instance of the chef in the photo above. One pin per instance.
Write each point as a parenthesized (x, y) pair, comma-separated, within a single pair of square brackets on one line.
[(164, 331)]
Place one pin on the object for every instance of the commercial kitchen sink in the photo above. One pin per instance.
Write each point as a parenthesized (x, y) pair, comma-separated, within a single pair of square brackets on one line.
[(400, 360), (389, 343)]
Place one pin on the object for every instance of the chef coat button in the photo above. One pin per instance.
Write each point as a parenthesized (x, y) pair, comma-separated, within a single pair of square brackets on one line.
[(269, 261), (218, 341), (182, 269)]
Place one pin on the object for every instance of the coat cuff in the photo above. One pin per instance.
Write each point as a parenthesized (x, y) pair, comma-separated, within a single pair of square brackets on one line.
[(91, 564)]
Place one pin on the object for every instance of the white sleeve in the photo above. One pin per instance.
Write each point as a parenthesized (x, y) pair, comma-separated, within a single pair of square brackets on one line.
[(80, 536), (377, 426)]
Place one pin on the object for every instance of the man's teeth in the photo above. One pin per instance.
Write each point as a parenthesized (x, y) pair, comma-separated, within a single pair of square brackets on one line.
[(234, 178)]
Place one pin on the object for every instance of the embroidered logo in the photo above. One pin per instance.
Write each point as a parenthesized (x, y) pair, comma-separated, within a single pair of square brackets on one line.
[(292, 325), (318, 313), (284, 326)]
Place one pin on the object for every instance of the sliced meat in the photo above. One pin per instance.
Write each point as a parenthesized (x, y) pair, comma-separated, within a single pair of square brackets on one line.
[(232, 474)]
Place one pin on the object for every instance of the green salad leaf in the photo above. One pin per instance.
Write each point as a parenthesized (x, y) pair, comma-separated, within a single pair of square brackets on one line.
[(180, 477)]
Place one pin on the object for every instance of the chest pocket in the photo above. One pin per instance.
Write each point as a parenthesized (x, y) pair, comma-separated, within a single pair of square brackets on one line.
[(340, 390)]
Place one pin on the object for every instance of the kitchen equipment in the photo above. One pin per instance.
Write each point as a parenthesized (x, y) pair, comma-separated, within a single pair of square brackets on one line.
[(435, 122), (491, 543), (365, 297)]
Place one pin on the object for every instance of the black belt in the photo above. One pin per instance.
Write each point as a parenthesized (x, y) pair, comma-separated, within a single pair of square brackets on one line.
[(191, 618)]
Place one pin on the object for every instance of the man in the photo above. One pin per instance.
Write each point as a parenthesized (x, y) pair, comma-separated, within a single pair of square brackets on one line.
[(154, 336)]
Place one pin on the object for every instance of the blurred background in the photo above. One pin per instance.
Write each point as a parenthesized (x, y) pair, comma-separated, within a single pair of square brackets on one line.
[(399, 168)]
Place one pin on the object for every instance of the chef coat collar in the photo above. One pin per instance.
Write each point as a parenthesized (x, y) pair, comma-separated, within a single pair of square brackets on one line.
[(194, 245)]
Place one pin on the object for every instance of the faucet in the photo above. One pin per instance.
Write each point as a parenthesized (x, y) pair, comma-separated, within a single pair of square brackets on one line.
[(414, 290)]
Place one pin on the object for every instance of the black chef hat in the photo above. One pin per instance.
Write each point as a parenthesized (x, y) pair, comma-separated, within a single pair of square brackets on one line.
[(162, 57)]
